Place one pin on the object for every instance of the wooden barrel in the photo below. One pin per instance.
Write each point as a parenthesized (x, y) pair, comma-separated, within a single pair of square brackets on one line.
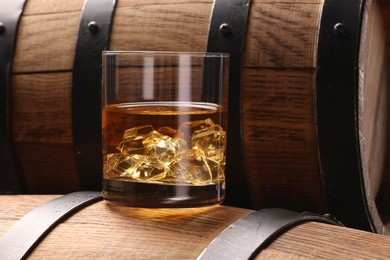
[(287, 121), (104, 231)]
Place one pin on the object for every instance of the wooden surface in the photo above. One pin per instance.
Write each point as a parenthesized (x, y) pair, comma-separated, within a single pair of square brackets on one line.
[(278, 91), (372, 97), (282, 34), (102, 231), (41, 91), (161, 25), (278, 109), (280, 139), (40, 124)]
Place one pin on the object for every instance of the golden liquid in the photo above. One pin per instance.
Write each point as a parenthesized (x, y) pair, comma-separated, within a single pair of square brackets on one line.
[(116, 119)]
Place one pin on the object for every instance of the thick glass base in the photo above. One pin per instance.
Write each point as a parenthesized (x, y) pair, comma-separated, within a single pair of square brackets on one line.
[(155, 195)]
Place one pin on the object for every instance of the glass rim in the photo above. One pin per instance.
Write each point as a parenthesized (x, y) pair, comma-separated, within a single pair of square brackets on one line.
[(166, 53)]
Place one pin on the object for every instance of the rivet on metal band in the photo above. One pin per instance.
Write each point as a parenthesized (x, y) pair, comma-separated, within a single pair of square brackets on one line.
[(227, 34), (339, 29), (92, 39), (10, 174), (2, 28)]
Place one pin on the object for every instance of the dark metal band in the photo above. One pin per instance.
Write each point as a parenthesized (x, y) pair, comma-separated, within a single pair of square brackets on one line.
[(245, 238), (227, 34), (25, 234), (92, 39), (10, 13), (337, 110)]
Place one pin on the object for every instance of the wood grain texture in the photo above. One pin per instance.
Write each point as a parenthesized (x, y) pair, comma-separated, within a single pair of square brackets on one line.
[(34, 7), (373, 88), (321, 241), (163, 25), (102, 231), (372, 93), (279, 135), (48, 167), (46, 42), (42, 108), (133, 233), (42, 131), (15, 207), (278, 109), (282, 34)]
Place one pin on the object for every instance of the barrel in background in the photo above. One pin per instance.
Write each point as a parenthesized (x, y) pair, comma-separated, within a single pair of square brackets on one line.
[(278, 94)]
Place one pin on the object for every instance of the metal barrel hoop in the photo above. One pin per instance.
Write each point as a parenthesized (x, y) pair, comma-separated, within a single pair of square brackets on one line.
[(10, 174), (336, 98), (227, 34), (93, 36)]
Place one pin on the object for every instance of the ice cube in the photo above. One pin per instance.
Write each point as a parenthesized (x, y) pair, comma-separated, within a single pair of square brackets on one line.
[(186, 129), (164, 155), (132, 139), (110, 163), (179, 144), (217, 172), (150, 170), (162, 147), (190, 166), (119, 165), (212, 140)]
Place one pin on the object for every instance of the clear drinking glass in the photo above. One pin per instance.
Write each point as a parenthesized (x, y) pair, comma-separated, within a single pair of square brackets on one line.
[(164, 122)]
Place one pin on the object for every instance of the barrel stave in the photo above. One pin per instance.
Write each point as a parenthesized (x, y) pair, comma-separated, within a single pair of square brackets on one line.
[(105, 231)]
